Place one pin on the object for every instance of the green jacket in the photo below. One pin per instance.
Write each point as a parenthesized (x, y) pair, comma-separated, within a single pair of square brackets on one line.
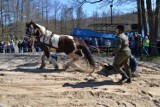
[(122, 45), (146, 42)]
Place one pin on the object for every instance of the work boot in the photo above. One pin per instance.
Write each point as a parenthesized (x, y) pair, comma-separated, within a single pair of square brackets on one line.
[(129, 79), (124, 77)]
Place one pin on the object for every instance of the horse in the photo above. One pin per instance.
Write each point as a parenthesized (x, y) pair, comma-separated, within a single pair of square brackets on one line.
[(73, 47)]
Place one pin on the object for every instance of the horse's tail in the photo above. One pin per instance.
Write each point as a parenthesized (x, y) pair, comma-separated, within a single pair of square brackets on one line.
[(87, 53)]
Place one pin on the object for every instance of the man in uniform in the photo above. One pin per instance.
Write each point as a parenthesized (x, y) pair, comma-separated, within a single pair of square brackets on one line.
[(122, 54)]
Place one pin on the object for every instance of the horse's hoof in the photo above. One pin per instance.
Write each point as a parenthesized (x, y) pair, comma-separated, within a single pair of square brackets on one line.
[(40, 67), (56, 67), (66, 67)]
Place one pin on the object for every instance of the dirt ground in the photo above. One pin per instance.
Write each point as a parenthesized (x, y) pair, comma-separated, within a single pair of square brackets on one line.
[(23, 85)]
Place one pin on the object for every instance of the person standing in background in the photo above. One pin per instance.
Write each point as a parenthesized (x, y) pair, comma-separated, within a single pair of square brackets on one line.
[(19, 47), (108, 45), (12, 44), (138, 45), (146, 45), (132, 45)]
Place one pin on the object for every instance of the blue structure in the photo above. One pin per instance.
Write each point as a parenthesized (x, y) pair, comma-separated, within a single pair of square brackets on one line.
[(95, 37), (87, 34)]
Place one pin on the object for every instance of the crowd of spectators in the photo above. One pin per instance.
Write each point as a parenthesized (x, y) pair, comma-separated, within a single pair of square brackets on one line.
[(7, 47), (141, 45), (22, 46), (25, 46)]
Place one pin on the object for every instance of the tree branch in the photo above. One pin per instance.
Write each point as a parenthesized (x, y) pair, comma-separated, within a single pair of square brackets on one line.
[(86, 1)]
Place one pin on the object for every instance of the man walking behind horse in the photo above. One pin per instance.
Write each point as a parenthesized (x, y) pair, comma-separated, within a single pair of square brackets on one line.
[(122, 54)]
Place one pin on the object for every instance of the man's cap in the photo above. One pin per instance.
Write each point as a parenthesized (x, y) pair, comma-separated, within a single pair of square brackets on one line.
[(120, 27), (146, 37)]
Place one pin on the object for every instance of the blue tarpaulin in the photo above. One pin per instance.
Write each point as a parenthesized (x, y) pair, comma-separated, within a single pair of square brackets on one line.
[(86, 34), (90, 33), (95, 37)]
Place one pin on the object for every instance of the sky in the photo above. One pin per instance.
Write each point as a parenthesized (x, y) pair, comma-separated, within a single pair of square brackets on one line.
[(103, 7), (87, 8), (99, 7)]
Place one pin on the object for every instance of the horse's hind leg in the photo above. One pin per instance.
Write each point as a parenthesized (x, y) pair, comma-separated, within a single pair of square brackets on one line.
[(42, 61), (73, 58)]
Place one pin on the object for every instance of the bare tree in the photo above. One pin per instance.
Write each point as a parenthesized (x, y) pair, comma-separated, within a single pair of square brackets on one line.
[(63, 18), (22, 11), (56, 10), (144, 18), (79, 17), (28, 10), (82, 2), (153, 25), (157, 17), (139, 11), (47, 8), (2, 27)]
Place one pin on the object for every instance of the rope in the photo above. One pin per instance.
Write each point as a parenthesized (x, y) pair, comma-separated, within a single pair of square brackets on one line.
[(101, 48)]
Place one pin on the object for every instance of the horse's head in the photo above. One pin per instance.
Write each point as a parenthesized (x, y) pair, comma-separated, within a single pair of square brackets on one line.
[(30, 29), (36, 30)]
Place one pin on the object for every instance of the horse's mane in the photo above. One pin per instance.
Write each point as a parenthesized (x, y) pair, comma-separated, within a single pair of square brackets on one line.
[(44, 30)]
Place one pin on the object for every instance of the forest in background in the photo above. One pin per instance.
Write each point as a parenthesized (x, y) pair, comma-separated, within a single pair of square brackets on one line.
[(55, 16), (61, 18)]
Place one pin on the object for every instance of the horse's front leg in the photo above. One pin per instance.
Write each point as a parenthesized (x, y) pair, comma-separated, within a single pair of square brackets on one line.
[(42, 61), (53, 62)]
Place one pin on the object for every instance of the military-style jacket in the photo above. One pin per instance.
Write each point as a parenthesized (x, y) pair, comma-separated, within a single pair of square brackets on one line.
[(122, 45)]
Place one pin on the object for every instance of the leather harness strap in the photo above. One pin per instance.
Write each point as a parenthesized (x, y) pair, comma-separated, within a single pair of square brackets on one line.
[(50, 40)]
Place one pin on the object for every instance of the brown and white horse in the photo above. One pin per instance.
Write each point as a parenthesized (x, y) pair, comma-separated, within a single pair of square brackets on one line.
[(70, 45)]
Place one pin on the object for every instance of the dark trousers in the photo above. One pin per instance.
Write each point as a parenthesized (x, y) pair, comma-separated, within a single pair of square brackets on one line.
[(138, 51), (121, 60), (146, 50)]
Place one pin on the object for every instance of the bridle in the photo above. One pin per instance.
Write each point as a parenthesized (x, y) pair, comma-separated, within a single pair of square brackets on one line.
[(31, 32), (35, 32)]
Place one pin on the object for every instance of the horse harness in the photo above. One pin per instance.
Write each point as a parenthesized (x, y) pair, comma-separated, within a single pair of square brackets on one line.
[(44, 40), (53, 42)]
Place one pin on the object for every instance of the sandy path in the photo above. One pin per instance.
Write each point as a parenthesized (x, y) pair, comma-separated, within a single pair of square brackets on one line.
[(22, 85)]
